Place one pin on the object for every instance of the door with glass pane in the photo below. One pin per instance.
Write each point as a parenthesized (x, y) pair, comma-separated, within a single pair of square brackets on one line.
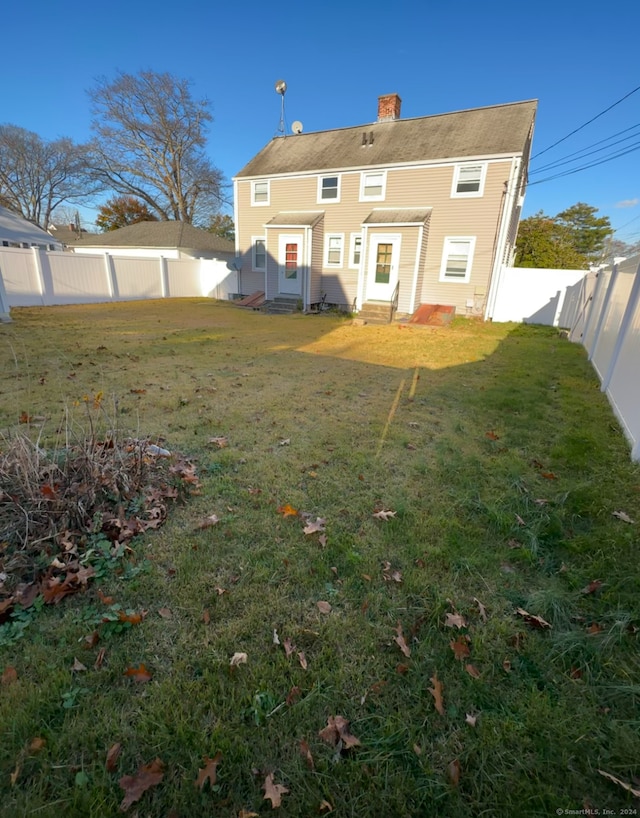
[(382, 270), (290, 265)]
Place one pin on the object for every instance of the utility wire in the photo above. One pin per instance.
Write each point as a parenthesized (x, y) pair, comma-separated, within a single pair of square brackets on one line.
[(586, 167), (583, 152), (593, 119)]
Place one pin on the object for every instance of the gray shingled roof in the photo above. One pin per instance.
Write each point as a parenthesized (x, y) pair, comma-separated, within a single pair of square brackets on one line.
[(398, 216), (496, 130), (161, 235), (294, 219)]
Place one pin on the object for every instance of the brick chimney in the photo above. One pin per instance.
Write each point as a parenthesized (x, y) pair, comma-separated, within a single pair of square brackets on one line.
[(389, 107)]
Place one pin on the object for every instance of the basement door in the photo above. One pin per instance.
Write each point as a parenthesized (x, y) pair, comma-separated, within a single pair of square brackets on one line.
[(382, 269), (290, 264)]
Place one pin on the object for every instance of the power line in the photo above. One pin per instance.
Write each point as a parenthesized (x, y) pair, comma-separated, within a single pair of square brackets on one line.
[(583, 152), (593, 119), (635, 147)]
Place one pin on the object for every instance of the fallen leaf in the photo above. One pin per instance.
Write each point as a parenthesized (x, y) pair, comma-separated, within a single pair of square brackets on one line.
[(472, 671), (594, 628), (238, 659), (402, 669), (519, 520), (400, 641), (106, 600), (311, 528), (212, 520), (534, 621), (324, 607), (620, 783), (436, 692), (548, 475), (36, 744), (454, 620), (9, 676), (287, 511), (492, 436), (622, 516), (220, 442), (138, 674), (302, 659), (471, 720), (453, 772), (273, 792), (133, 618), (293, 695), (209, 771), (481, 609), (306, 754), (417, 749), (289, 647), (322, 540), (112, 757), (276, 638), (244, 814), (384, 515), (506, 665), (134, 786), (14, 775), (92, 640), (325, 806), (389, 575), (460, 648), (285, 442), (77, 666), (592, 587), (165, 613), (337, 731)]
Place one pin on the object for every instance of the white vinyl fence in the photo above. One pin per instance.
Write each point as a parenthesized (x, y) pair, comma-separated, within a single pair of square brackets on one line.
[(36, 277), (603, 314), (533, 296)]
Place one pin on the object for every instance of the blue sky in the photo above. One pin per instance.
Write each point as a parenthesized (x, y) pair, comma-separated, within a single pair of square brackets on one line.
[(577, 59)]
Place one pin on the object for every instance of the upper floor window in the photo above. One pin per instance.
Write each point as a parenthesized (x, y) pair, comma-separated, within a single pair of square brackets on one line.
[(355, 250), (457, 258), (258, 254), (260, 193), (468, 180), (329, 189), (372, 186), (334, 248)]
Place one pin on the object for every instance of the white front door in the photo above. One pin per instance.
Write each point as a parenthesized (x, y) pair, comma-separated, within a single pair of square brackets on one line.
[(382, 267), (290, 264)]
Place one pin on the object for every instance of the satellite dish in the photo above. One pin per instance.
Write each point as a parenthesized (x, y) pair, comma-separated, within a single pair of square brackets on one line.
[(281, 87), (297, 126)]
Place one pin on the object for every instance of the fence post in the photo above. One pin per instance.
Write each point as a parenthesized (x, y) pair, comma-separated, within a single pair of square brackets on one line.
[(590, 315), (37, 265), (629, 311), (5, 316), (112, 281), (164, 277)]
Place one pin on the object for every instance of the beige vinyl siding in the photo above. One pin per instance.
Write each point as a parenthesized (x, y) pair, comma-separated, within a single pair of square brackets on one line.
[(317, 252)]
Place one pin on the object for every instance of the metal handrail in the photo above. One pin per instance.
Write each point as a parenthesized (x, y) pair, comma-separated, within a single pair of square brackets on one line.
[(394, 302)]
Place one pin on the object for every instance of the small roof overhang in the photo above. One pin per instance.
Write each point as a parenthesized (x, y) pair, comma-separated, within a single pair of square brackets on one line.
[(398, 217), (298, 219)]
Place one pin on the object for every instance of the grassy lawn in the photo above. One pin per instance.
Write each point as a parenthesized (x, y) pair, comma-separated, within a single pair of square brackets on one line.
[(500, 465)]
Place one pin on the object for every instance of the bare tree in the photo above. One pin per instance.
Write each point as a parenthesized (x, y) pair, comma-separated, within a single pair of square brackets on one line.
[(36, 176), (150, 143)]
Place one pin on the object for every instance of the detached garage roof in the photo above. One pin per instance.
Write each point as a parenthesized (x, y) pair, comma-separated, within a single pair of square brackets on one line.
[(170, 234)]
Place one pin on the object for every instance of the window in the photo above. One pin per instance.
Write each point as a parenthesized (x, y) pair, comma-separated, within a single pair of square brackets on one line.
[(260, 193), (334, 245), (291, 261), (372, 186), (383, 263), (329, 189), (259, 254), (355, 250), (468, 180), (457, 258)]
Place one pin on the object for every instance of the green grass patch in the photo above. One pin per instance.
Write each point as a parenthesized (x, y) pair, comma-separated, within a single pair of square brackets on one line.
[(503, 465)]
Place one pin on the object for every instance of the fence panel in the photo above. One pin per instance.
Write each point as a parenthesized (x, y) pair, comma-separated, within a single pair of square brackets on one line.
[(624, 387), (217, 280), (603, 277), (74, 279), (610, 323), (183, 277), (20, 277), (137, 277), (533, 296)]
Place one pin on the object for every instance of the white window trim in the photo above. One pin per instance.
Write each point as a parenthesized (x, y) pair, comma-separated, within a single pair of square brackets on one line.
[(448, 241), (254, 266), (329, 176), (363, 176), (253, 193), (327, 263), (352, 245), (473, 194)]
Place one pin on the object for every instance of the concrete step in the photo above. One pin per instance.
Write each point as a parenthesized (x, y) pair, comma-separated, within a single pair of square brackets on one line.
[(281, 305)]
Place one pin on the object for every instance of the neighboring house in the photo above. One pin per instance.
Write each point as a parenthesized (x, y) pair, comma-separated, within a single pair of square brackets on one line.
[(18, 232), (69, 234), (171, 239), (424, 209)]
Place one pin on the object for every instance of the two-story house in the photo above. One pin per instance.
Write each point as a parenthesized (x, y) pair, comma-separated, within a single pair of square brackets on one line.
[(420, 211)]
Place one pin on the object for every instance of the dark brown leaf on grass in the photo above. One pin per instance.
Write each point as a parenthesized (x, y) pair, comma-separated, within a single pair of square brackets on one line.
[(337, 732), (36, 744), (209, 771), (460, 648), (389, 574), (492, 436), (534, 621), (306, 754), (592, 587), (400, 642), (273, 792), (453, 772), (135, 786), (436, 692), (472, 670), (112, 757), (9, 676), (594, 628), (138, 674), (293, 695), (548, 475), (206, 616), (620, 783)]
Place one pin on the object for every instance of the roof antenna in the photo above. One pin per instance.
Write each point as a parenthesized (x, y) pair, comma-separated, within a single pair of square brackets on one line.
[(281, 87)]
